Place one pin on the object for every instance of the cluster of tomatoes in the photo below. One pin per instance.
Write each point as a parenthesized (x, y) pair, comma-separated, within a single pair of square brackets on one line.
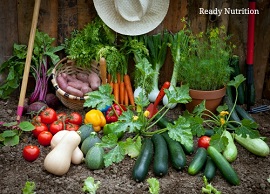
[(48, 123)]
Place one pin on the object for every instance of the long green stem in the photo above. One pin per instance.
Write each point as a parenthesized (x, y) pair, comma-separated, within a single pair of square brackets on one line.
[(150, 133)]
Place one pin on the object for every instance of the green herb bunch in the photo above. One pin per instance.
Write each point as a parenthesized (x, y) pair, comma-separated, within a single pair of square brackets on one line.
[(205, 66)]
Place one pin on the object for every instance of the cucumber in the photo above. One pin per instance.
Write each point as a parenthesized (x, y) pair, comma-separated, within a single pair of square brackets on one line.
[(230, 152), (177, 154), (243, 114), (143, 161), (256, 145), (198, 161), (224, 166), (94, 158), (234, 63), (209, 132), (161, 155), (209, 169), (228, 99), (188, 149)]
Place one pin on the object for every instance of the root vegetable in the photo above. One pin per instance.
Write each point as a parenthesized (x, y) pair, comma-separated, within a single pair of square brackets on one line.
[(86, 89), (52, 101), (94, 81), (36, 107), (74, 91), (82, 77), (62, 82)]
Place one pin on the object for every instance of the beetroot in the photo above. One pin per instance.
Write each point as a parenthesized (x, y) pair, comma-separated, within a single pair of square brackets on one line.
[(36, 107), (52, 101)]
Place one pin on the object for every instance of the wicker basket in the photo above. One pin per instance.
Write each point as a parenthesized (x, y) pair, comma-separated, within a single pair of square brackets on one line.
[(68, 66)]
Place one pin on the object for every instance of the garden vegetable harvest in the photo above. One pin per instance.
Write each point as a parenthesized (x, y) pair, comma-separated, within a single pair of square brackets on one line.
[(96, 118), (114, 112)]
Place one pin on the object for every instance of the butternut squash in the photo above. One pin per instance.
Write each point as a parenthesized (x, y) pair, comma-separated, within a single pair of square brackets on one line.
[(77, 155), (58, 160)]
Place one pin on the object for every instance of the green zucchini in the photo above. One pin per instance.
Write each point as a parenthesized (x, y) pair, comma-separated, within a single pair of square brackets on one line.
[(162, 122), (223, 165), (209, 132), (230, 152), (209, 169), (161, 155), (198, 161), (256, 145), (234, 63), (228, 99), (243, 114), (143, 161), (177, 154)]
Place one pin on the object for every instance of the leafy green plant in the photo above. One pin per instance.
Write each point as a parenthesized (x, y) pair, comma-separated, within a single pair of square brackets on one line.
[(29, 187), (153, 185), (209, 188), (201, 117), (205, 65), (135, 122), (12, 132), (90, 186)]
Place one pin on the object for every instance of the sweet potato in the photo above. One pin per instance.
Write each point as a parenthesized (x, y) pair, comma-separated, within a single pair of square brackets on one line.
[(62, 82), (86, 89), (82, 77), (94, 81), (74, 91), (77, 84)]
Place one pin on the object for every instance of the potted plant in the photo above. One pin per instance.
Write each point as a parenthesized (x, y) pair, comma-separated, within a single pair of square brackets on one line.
[(205, 65)]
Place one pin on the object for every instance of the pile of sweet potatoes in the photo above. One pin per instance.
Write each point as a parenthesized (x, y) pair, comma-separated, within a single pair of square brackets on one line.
[(78, 84)]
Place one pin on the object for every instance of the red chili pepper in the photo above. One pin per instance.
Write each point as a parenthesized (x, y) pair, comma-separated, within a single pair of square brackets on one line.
[(114, 112)]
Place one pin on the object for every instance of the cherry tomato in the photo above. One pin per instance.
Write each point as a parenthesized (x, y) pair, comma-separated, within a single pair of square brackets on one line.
[(72, 127), (56, 126), (39, 127), (31, 152), (204, 141), (44, 138), (61, 116), (48, 116), (74, 118)]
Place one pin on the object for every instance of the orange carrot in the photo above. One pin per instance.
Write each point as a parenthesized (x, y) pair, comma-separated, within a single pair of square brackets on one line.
[(129, 89), (122, 92), (109, 77), (126, 98), (116, 91)]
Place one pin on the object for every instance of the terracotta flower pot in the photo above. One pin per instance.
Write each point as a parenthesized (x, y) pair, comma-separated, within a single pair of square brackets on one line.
[(213, 98)]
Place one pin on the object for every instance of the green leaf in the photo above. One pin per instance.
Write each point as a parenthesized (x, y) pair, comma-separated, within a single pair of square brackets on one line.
[(248, 128), (117, 154), (26, 126), (9, 133), (237, 81), (178, 94), (12, 141), (219, 142), (127, 122), (90, 185), (29, 187), (196, 124), (181, 131), (108, 141), (132, 148), (154, 186), (100, 98)]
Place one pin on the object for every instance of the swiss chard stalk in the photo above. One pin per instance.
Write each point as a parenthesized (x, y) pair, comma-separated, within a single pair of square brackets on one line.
[(44, 53)]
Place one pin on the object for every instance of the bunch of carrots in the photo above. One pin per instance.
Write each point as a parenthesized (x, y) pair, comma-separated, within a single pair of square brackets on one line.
[(120, 82)]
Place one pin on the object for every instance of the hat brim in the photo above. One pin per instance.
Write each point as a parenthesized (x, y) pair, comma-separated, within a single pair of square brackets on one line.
[(108, 14)]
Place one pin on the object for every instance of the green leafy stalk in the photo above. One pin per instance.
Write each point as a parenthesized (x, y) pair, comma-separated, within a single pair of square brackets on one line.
[(90, 185), (154, 186), (29, 187)]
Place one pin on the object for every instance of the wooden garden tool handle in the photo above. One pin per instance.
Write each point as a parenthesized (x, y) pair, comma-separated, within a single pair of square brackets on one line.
[(28, 59)]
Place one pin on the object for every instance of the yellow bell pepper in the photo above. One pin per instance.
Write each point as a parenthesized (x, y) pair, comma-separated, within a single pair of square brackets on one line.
[(96, 118)]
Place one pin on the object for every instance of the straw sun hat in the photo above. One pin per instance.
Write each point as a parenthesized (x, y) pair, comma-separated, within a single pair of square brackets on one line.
[(132, 17)]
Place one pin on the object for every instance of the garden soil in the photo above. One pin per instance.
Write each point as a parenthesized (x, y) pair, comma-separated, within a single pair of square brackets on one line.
[(252, 170)]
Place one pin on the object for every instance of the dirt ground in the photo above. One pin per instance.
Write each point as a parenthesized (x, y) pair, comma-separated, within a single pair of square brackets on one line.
[(15, 171)]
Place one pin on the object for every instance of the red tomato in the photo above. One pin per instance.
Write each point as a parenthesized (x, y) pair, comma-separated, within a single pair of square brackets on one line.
[(204, 141), (56, 126), (39, 127), (30, 153), (61, 116), (72, 127), (74, 118), (36, 120), (48, 116), (44, 138)]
